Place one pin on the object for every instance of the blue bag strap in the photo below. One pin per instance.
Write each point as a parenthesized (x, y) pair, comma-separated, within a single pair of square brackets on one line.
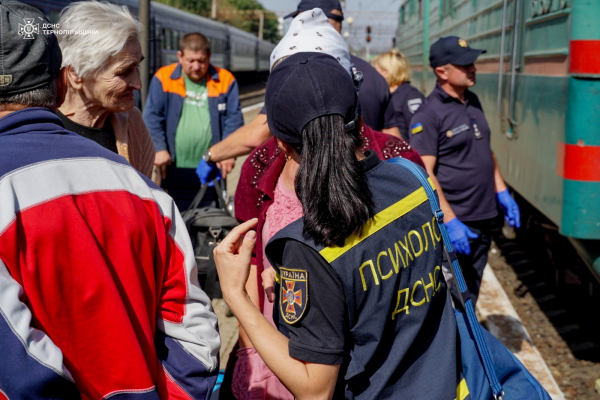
[(473, 323)]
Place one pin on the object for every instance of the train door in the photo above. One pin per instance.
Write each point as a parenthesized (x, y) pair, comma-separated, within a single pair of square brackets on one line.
[(510, 66)]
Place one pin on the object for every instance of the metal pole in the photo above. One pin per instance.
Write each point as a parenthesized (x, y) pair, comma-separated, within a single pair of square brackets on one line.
[(261, 24), (501, 66), (145, 42), (368, 53), (213, 10), (514, 67), (425, 46)]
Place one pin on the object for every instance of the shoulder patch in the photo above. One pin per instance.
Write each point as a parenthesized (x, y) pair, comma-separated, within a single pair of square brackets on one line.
[(416, 128), (294, 294), (414, 104)]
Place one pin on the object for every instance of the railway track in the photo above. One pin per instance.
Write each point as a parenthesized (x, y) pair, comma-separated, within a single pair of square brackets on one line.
[(252, 98), (550, 270), (550, 288)]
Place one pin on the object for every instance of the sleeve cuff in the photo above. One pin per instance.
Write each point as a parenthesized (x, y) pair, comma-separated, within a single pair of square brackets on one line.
[(316, 355)]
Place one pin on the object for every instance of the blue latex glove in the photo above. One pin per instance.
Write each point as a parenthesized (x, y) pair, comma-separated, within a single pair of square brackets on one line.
[(459, 236), (509, 208), (208, 172)]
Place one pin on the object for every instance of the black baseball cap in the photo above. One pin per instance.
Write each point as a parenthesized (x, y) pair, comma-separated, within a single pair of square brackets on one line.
[(452, 50), (29, 53), (326, 5), (306, 86)]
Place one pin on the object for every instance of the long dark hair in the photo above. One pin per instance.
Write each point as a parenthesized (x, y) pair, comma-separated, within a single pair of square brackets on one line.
[(331, 183)]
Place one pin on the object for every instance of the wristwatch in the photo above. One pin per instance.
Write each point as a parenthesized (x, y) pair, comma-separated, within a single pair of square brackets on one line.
[(206, 156)]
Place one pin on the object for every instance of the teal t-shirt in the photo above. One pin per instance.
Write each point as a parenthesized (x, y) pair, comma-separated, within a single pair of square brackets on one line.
[(194, 133)]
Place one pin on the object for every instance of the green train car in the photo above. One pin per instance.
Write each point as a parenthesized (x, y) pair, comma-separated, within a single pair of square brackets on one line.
[(539, 84)]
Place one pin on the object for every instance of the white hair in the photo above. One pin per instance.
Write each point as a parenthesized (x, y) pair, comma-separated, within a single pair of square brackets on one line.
[(92, 32)]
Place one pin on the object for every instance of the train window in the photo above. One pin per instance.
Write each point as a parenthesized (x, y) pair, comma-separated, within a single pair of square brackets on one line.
[(174, 40), (402, 15), (446, 9), (167, 39)]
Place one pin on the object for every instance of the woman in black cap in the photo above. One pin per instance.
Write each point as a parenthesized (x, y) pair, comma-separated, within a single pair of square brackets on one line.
[(361, 304)]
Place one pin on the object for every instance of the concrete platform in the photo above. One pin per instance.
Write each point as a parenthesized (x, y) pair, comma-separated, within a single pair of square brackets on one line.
[(499, 317)]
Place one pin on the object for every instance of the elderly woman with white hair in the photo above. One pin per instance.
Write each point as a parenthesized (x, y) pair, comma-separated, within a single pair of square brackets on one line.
[(101, 69)]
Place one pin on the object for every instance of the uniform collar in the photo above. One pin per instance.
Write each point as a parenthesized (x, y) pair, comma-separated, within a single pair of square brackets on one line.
[(22, 121), (444, 97), (212, 71)]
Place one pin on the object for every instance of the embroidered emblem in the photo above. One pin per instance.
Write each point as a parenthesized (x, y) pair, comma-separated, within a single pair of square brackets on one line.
[(416, 128), (414, 104), (462, 43), (455, 131), (5, 80), (294, 294)]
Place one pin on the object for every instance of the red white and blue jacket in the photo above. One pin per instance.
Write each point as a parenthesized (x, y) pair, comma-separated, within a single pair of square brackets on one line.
[(99, 295)]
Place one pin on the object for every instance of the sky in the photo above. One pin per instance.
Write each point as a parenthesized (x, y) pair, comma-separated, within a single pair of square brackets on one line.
[(381, 15)]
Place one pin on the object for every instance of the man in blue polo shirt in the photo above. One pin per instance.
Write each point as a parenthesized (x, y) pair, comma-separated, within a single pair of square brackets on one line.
[(452, 135)]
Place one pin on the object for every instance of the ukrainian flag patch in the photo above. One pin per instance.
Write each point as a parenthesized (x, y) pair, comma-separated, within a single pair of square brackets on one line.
[(416, 128)]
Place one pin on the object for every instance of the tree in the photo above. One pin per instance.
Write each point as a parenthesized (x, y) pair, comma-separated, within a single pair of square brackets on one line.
[(243, 14)]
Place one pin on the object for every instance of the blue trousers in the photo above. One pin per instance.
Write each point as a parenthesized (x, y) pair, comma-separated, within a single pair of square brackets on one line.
[(472, 265)]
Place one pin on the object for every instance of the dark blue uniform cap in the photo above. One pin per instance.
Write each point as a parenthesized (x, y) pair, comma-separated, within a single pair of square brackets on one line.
[(326, 5), (452, 50), (29, 56), (306, 86)]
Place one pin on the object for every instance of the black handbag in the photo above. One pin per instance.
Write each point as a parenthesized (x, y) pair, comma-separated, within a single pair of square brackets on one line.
[(207, 226)]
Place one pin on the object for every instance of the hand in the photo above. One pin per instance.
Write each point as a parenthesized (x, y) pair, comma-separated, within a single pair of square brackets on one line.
[(207, 172), (226, 166), (509, 208), (232, 258), (268, 282), (162, 159), (459, 236)]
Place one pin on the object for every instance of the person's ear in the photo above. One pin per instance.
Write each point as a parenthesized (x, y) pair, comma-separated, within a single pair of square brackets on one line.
[(72, 78), (61, 87), (441, 72), (286, 148)]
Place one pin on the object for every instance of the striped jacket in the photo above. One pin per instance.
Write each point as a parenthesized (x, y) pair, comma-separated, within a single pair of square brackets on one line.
[(99, 294), (165, 102)]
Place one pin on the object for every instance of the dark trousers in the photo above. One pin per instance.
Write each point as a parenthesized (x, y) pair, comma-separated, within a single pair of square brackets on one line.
[(472, 265), (183, 184)]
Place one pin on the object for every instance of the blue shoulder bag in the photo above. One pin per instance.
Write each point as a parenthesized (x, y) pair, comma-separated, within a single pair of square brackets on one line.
[(490, 370)]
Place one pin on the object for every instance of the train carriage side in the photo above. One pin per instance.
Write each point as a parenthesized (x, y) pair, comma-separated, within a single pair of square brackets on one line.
[(542, 108), (243, 50), (264, 52)]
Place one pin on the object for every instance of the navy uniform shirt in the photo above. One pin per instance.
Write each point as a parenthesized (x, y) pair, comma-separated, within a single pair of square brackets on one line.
[(376, 104), (375, 98), (406, 100), (459, 136)]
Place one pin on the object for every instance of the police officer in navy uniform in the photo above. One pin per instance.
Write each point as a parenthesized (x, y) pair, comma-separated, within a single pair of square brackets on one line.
[(362, 306), (395, 69), (452, 135)]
